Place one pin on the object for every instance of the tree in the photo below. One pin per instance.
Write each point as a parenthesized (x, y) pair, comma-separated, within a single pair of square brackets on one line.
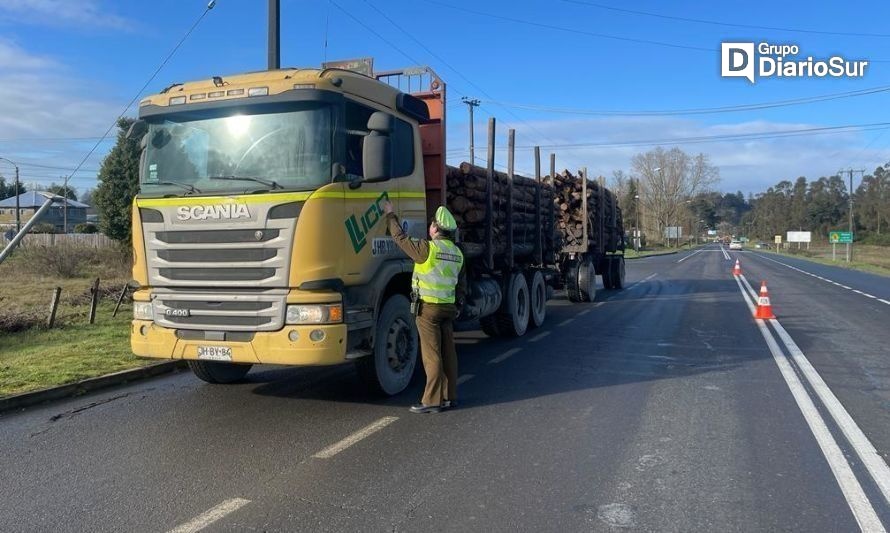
[(7, 189), (70, 193), (668, 179), (118, 184), (87, 197)]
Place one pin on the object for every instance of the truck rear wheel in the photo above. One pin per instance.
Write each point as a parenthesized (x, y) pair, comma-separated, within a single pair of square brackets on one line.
[(616, 267), (581, 281), (390, 368), (218, 373), (538, 290), (513, 317)]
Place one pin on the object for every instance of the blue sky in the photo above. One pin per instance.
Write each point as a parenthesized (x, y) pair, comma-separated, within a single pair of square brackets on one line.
[(69, 67)]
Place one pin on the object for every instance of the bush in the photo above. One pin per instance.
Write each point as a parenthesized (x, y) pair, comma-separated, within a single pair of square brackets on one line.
[(43, 227), (876, 240), (86, 227)]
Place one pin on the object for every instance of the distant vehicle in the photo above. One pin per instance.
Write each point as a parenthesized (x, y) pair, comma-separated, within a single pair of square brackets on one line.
[(735, 245), (762, 245)]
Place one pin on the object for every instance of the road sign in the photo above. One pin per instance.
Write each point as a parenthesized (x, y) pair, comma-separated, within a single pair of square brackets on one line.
[(778, 239), (840, 237), (799, 236)]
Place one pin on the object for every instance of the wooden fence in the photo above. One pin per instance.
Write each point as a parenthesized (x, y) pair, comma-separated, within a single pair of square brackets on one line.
[(94, 240)]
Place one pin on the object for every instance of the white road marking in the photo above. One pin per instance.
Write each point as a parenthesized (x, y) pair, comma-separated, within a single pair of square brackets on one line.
[(366, 431), (883, 301), (500, 358), (725, 253), (539, 336), (205, 519), (690, 255), (862, 509), (566, 322), (465, 378), (584, 312), (857, 291)]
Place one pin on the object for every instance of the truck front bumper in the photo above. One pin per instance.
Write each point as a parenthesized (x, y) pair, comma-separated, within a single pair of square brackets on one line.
[(148, 339)]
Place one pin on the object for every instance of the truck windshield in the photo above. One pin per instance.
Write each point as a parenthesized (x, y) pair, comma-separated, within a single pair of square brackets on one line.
[(189, 153)]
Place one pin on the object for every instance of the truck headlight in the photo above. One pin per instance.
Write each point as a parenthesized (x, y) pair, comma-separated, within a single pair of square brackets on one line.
[(142, 311), (314, 314)]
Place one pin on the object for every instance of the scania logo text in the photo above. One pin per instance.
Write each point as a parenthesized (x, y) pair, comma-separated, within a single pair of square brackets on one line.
[(214, 212)]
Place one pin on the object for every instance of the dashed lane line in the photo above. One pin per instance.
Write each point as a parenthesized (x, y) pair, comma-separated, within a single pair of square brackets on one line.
[(566, 322), (539, 336), (700, 250), (212, 515), (802, 271), (465, 378), (503, 357), (363, 433)]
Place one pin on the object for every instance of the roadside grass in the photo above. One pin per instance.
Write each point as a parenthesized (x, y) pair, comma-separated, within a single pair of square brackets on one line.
[(630, 253), (39, 358), (866, 258), (33, 357)]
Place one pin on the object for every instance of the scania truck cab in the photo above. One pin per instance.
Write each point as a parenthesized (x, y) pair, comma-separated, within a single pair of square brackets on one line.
[(258, 231)]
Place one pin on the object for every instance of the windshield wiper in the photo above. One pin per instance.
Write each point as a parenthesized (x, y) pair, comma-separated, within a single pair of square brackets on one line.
[(268, 183), (190, 188)]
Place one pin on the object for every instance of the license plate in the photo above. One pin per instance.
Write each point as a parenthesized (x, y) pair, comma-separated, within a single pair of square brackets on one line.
[(215, 353)]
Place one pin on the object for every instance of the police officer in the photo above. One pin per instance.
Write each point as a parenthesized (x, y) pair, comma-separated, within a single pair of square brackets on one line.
[(439, 283)]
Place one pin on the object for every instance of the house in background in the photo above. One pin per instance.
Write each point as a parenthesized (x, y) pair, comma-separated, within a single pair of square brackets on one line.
[(30, 202)]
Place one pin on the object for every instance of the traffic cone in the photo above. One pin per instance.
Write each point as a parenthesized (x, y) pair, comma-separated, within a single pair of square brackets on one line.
[(764, 309), (737, 269)]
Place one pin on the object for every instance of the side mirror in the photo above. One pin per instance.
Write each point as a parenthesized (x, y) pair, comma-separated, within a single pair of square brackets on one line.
[(137, 129), (377, 149)]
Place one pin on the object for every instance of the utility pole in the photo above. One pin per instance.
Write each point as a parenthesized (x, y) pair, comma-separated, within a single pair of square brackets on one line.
[(851, 171), (274, 35), (65, 207), (471, 103)]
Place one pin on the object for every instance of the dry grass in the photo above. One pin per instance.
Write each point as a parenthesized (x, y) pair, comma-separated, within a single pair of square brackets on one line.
[(866, 257), (28, 277)]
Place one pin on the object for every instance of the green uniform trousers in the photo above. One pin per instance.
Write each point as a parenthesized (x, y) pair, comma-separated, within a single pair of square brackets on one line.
[(435, 325)]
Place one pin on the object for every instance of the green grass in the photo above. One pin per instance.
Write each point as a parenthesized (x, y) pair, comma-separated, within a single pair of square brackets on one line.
[(36, 359)]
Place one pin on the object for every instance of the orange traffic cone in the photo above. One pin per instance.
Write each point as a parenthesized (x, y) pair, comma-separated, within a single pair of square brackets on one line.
[(764, 309), (737, 270)]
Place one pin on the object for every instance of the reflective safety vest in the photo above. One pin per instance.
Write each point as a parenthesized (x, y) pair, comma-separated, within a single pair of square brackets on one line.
[(436, 278)]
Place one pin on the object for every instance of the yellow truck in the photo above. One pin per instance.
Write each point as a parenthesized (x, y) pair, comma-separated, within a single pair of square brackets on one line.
[(258, 232)]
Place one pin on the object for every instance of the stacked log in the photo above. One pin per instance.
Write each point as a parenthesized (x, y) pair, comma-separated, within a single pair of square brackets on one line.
[(570, 221), (467, 187)]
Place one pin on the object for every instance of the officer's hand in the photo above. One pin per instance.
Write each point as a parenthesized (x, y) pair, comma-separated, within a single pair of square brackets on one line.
[(387, 207)]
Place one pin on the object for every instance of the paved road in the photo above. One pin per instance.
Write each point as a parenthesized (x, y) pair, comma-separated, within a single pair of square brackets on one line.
[(660, 407)]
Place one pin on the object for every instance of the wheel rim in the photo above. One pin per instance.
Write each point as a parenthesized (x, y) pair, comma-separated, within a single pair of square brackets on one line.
[(399, 345)]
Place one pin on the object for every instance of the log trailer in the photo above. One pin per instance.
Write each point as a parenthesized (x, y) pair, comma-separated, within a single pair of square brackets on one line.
[(258, 235)]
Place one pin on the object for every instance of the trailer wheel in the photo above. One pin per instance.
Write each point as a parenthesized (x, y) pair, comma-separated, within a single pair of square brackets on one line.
[(389, 370), (606, 271), (218, 373), (616, 267), (581, 281), (538, 299), (490, 326), (513, 317)]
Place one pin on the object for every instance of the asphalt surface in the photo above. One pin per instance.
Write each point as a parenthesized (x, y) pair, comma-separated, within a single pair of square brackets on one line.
[(657, 408)]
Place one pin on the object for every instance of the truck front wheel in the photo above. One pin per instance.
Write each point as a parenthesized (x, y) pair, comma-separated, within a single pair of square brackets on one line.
[(219, 373), (390, 368)]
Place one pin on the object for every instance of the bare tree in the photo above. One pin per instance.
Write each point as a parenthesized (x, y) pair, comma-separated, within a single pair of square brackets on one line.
[(667, 179)]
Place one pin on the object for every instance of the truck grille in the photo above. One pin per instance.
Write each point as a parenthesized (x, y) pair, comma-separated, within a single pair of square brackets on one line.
[(228, 254), (220, 310)]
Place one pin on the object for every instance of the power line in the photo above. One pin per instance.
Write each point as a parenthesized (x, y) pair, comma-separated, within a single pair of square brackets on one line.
[(571, 30), (721, 23), (701, 110), (802, 132), (210, 6)]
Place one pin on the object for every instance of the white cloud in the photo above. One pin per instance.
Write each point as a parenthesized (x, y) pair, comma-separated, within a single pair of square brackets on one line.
[(40, 100), (76, 13), (746, 165)]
